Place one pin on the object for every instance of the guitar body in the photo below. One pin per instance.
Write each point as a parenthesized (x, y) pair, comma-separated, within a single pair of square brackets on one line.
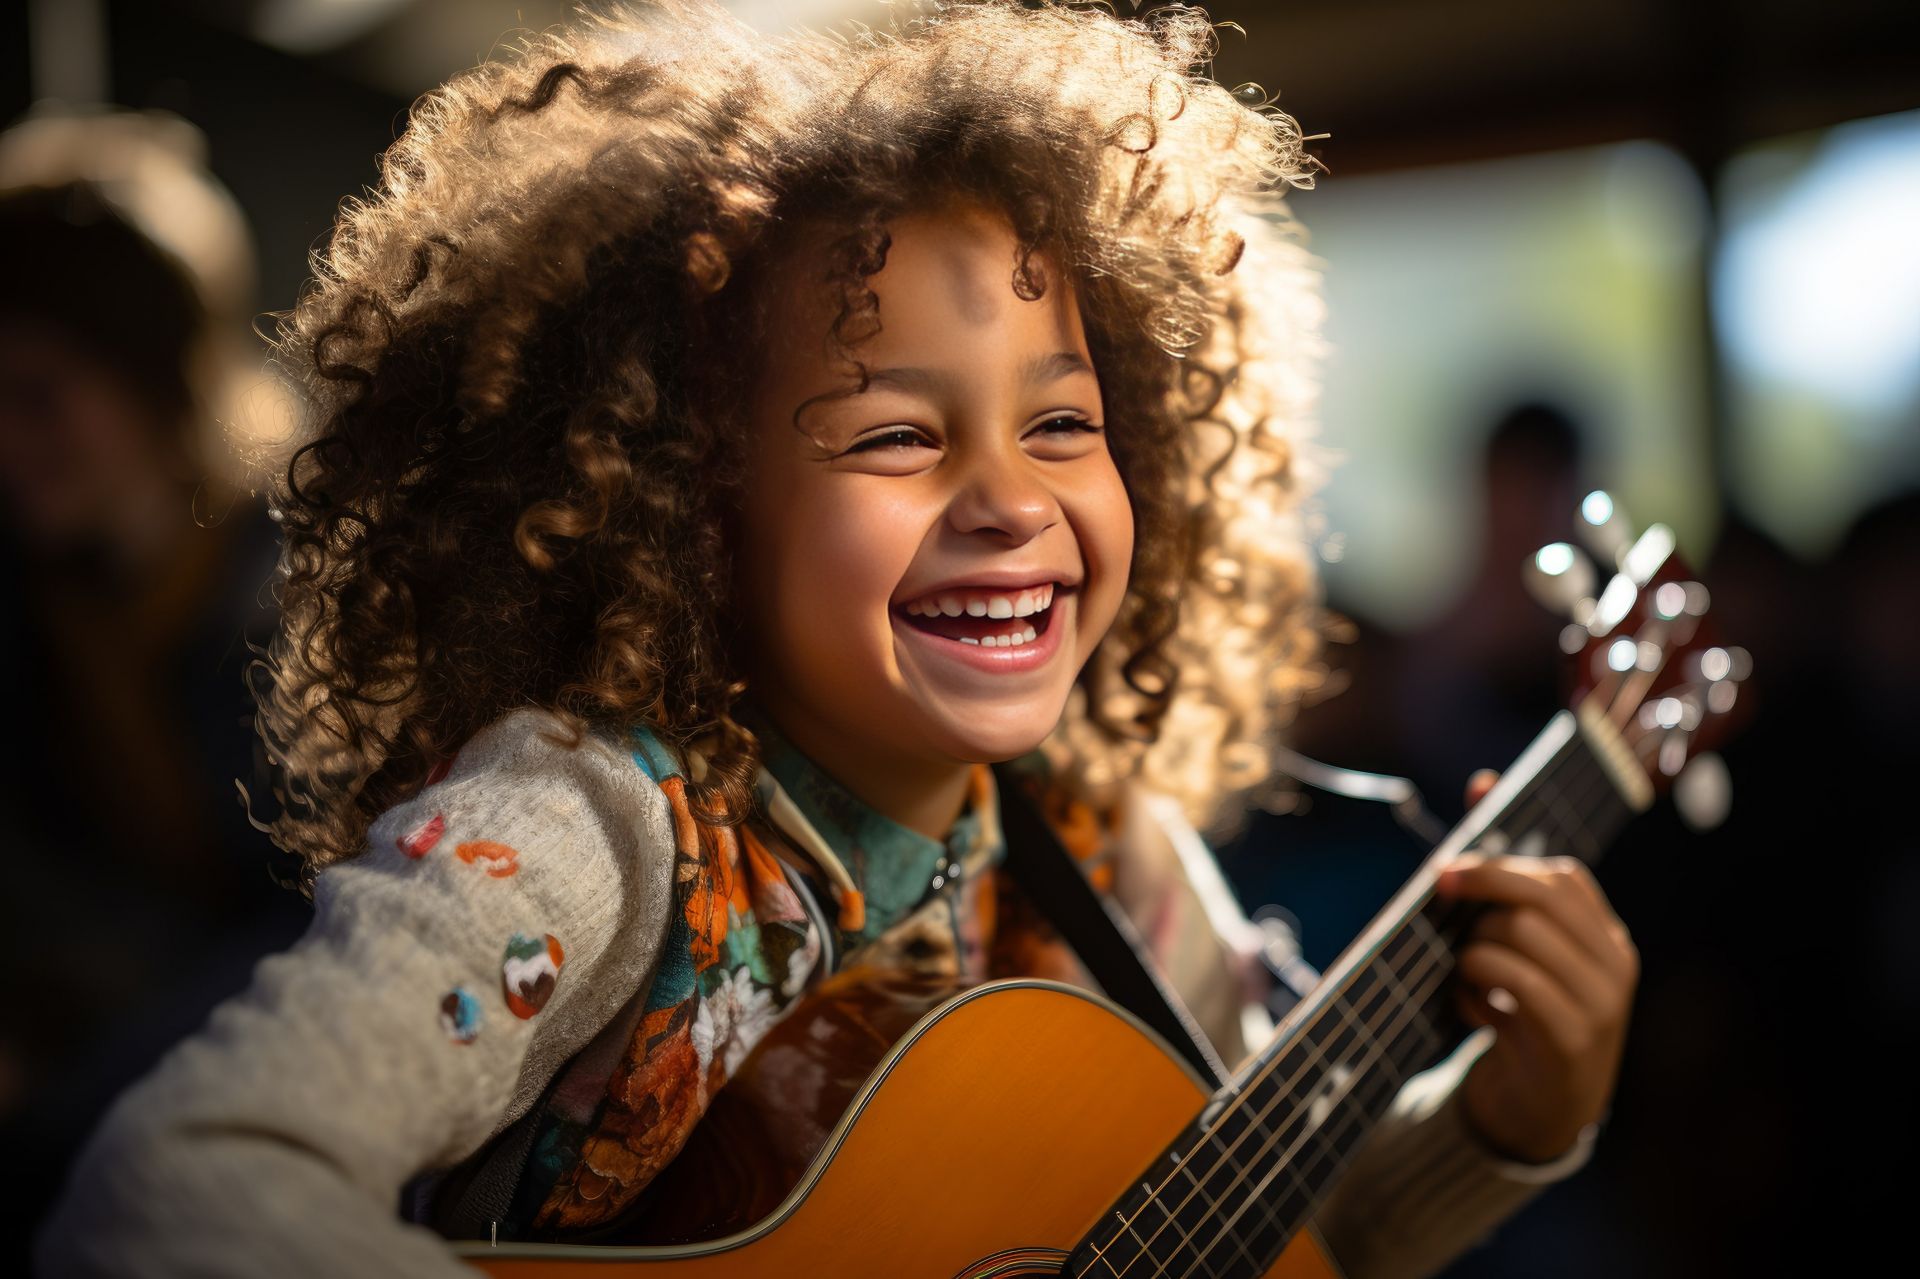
[(890, 1127), (987, 1141)]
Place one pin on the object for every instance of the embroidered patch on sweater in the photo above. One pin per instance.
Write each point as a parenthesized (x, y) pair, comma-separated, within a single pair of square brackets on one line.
[(419, 841), (498, 860), (529, 972), (460, 1015)]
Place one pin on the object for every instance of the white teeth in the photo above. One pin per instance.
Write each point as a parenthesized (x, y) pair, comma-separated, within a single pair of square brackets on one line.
[(1004, 641), (1025, 604)]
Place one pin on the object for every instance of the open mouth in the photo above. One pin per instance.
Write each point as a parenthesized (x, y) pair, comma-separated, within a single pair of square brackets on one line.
[(988, 631)]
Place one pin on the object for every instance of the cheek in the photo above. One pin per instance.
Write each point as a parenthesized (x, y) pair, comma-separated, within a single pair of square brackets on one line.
[(1105, 520), (840, 555)]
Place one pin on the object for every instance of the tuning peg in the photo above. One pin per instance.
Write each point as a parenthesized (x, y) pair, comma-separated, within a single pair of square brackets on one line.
[(1560, 577), (1603, 527)]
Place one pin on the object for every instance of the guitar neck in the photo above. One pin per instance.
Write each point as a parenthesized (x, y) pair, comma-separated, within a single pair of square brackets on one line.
[(1253, 1167)]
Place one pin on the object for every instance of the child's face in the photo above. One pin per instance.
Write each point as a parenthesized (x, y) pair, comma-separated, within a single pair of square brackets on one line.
[(965, 474)]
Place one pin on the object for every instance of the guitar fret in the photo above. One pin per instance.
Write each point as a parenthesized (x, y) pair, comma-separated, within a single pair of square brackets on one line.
[(1287, 1158), (1259, 1159), (1240, 1174), (1158, 1233)]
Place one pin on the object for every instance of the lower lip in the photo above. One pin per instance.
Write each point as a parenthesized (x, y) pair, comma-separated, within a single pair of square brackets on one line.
[(1035, 653)]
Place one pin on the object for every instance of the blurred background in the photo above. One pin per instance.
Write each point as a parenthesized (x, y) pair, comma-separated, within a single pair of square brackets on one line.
[(1669, 249)]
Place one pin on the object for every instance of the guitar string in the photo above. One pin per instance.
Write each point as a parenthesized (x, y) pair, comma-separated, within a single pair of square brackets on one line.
[(1434, 974), (1345, 1120), (1250, 1197), (1431, 961), (1566, 760), (1426, 988), (1267, 1068), (1238, 1183), (1564, 808)]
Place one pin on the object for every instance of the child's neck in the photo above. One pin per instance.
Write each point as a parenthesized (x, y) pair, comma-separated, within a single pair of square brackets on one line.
[(923, 795)]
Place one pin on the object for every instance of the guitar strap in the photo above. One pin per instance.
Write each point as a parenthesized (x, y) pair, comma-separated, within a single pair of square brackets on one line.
[(1094, 925)]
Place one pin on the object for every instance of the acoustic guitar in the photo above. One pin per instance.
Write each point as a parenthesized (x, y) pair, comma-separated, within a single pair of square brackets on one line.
[(883, 1128)]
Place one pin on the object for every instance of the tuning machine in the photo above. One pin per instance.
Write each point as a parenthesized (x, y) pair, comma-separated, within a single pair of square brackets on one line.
[(1562, 578), (1603, 527)]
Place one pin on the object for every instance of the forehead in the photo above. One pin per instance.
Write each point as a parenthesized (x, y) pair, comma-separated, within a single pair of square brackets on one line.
[(946, 294)]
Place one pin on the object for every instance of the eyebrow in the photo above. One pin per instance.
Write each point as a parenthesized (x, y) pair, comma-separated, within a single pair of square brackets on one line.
[(1037, 371)]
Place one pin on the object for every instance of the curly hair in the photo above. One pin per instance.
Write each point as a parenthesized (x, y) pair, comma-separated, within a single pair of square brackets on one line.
[(525, 360)]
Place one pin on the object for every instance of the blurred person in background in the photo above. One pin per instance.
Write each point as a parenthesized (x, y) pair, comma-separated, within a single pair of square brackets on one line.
[(135, 569), (1480, 680)]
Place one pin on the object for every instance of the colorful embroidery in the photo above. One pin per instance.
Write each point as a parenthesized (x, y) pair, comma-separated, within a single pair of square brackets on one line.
[(529, 972), (500, 861), (419, 841), (742, 947), (460, 1015)]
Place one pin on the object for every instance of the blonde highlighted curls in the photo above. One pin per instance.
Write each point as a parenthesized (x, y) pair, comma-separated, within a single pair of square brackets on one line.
[(524, 359)]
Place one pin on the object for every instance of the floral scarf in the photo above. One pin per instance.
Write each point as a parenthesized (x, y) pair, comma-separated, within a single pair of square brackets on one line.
[(748, 935)]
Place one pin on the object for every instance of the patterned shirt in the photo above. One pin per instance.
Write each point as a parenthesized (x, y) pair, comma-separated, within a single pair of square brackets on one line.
[(812, 883)]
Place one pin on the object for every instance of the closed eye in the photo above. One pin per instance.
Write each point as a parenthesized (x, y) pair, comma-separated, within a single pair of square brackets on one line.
[(1074, 425), (902, 438)]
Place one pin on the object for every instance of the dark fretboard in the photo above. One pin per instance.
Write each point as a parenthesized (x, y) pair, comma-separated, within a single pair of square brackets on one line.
[(1248, 1173)]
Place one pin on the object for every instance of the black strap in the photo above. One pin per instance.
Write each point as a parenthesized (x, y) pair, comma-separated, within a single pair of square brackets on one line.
[(1099, 932), (473, 1198)]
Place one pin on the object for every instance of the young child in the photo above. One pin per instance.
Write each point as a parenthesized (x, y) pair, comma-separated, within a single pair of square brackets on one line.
[(723, 450)]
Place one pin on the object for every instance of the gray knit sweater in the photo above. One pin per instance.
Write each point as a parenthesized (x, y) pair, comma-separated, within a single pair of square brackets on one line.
[(276, 1141)]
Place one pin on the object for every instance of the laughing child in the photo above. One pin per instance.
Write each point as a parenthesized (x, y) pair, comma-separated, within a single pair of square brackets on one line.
[(722, 450)]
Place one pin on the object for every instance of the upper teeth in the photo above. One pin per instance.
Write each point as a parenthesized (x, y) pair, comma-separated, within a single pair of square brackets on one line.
[(975, 604)]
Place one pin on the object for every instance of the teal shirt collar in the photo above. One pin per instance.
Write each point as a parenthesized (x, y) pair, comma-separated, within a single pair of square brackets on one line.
[(892, 865)]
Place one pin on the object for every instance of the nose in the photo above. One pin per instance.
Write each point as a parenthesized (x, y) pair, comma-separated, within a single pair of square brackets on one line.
[(1000, 491)]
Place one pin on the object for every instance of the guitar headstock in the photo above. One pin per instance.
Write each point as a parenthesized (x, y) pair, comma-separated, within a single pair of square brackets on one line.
[(1643, 654)]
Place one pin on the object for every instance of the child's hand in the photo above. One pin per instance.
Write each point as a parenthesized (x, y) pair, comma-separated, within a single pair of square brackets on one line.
[(1568, 969)]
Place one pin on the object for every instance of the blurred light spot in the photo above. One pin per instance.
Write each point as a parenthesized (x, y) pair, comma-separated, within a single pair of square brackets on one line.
[(1742, 662), (1715, 664), (1703, 793), (1670, 600), (1555, 559), (1614, 603), (1819, 286), (1597, 509), (1621, 654)]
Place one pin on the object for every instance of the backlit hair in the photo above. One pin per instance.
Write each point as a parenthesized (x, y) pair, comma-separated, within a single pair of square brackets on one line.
[(526, 353)]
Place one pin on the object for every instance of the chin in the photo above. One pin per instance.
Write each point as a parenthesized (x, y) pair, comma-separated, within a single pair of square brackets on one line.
[(993, 739)]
